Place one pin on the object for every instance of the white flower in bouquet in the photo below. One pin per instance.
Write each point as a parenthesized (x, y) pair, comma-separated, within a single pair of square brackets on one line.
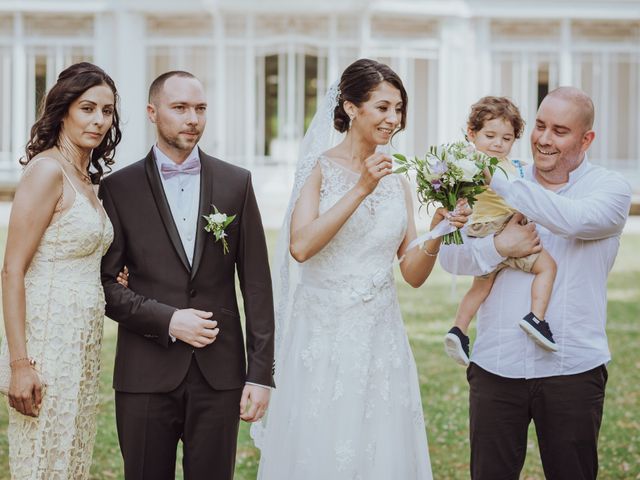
[(469, 169)]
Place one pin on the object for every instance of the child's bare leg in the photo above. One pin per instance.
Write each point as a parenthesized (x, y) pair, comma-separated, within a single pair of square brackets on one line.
[(545, 274), (534, 323), (456, 341), (472, 300)]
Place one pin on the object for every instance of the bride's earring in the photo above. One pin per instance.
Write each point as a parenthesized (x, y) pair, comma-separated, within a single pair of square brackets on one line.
[(351, 118)]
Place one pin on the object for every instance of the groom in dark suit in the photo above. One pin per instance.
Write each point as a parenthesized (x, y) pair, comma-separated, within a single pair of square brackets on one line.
[(180, 368)]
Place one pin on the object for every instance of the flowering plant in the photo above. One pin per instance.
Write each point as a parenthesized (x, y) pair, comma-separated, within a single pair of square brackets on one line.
[(447, 173), (216, 223)]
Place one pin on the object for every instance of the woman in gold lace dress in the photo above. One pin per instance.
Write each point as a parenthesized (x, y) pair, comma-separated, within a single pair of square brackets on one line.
[(51, 291)]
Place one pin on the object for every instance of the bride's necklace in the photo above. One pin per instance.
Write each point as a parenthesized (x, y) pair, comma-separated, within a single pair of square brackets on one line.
[(83, 175)]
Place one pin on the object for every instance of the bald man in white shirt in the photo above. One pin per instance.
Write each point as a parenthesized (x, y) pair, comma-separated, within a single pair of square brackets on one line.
[(577, 210)]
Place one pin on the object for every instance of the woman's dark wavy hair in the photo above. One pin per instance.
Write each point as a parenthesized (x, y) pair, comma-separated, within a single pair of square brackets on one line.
[(71, 84), (356, 84)]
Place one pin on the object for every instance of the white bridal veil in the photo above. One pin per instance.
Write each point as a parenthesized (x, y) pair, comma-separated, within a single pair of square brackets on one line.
[(320, 137)]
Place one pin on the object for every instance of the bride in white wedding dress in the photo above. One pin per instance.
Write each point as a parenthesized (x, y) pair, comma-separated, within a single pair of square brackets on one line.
[(347, 403)]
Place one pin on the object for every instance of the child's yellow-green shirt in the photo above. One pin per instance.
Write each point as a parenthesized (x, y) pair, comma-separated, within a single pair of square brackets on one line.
[(489, 205)]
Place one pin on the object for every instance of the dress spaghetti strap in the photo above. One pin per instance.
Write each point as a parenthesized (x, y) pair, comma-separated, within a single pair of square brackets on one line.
[(69, 180)]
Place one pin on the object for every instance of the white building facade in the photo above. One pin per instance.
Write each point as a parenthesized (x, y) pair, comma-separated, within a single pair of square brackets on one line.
[(266, 63)]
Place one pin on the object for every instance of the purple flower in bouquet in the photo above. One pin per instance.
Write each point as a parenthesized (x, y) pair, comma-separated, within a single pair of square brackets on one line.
[(439, 168)]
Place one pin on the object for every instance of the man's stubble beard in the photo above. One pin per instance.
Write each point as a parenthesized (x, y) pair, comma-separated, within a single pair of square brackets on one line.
[(178, 143)]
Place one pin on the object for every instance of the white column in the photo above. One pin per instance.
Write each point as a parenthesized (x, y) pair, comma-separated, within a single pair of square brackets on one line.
[(365, 34), (576, 72), (5, 107), (281, 115), (406, 70), (483, 57), (529, 96), (290, 122), (322, 78), (19, 86), (250, 92), (453, 77), (56, 64), (298, 119), (565, 77), (633, 113), (129, 74), (103, 32), (433, 100), (523, 82), (635, 107), (221, 76), (605, 118), (332, 56), (260, 113)]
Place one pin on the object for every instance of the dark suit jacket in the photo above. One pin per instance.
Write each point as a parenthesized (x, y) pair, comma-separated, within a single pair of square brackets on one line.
[(161, 280)]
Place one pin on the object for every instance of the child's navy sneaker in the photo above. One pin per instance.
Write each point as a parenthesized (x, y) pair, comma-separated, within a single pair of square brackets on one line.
[(456, 344), (539, 332)]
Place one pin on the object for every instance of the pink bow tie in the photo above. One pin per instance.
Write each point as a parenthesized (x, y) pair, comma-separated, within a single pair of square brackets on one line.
[(190, 167)]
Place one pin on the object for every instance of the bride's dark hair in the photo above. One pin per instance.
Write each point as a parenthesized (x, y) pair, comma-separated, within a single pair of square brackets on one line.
[(356, 84), (71, 84)]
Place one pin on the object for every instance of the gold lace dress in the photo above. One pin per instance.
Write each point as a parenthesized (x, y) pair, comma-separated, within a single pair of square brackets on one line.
[(64, 320)]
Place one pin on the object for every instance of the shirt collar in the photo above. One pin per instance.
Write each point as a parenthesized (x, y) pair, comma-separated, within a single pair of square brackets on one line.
[(161, 157), (575, 175)]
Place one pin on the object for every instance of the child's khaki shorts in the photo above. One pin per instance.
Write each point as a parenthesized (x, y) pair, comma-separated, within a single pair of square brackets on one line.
[(484, 229)]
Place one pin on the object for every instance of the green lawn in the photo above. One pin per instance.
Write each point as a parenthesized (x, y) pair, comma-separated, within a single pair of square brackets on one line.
[(427, 314)]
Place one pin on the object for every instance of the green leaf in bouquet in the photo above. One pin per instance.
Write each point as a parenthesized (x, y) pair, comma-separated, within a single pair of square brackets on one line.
[(493, 168), (400, 157), (402, 169)]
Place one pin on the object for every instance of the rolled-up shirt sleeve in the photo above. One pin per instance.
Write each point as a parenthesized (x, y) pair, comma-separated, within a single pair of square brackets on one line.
[(600, 213), (476, 256)]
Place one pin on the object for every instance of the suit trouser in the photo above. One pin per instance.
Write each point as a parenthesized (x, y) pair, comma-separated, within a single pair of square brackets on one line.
[(566, 411), (206, 420)]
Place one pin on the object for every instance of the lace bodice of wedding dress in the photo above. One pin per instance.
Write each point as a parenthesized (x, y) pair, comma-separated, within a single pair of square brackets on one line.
[(359, 259)]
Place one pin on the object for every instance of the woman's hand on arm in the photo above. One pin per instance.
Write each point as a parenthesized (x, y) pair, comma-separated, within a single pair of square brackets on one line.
[(123, 277), (310, 231), (33, 208)]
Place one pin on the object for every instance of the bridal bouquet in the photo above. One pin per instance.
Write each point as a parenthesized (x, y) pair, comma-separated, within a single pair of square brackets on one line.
[(447, 173)]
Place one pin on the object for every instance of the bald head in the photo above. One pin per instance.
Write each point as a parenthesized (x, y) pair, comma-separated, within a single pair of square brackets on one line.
[(581, 102)]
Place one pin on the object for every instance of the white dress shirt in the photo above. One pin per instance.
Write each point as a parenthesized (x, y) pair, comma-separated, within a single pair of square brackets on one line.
[(580, 226), (183, 194)]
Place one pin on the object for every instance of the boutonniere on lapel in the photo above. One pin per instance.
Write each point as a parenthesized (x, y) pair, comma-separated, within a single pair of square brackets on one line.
[(216, 223)]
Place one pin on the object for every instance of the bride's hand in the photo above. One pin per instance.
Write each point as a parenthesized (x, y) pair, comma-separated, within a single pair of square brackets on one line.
[(375, 167), (458, 217)]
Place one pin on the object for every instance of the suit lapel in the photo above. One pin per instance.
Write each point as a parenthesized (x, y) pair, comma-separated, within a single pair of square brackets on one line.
[(204, 208), (153, 176)]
